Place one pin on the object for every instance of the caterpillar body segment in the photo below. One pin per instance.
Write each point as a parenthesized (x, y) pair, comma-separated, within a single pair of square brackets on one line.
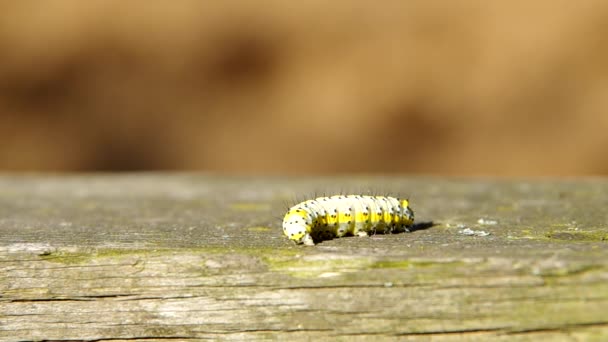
[(324, 218)]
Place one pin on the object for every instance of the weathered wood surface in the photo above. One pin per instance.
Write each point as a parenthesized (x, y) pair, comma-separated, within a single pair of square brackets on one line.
[(189, 257)]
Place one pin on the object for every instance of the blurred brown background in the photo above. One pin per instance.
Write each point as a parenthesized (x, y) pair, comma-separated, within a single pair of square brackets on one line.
[(449, 87)]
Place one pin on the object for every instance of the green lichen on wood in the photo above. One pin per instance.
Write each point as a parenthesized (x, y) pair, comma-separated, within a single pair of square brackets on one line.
[(412, 264), (578, 236), (305, 268), (259, 229)]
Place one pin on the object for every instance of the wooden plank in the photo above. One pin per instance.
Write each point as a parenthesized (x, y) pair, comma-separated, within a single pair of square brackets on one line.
[(189, 257)]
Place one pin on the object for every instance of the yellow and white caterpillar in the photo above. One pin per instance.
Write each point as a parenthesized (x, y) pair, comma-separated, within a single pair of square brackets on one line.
[(336, 216)]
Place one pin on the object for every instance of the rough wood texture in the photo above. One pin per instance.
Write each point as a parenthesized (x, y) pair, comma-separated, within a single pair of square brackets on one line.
[(189, 257)]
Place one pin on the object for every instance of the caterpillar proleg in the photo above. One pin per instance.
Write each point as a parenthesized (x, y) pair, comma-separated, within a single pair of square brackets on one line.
[(324, 218)]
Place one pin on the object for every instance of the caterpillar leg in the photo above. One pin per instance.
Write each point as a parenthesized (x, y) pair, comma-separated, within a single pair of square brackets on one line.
[(307, 240), (384, 228)]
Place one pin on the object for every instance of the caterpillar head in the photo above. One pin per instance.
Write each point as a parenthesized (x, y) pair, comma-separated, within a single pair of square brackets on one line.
[(407, 213), (296, 228)]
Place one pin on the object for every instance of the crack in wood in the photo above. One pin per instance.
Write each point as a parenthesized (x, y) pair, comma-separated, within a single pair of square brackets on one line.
[(558, 328), (450, 332), (198, 337), (134, 338)]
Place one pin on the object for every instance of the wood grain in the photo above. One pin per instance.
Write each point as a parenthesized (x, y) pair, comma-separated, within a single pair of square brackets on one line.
[(194, 257)]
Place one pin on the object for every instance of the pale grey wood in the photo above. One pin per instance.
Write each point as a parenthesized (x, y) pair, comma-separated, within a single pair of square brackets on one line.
[(194, 257)]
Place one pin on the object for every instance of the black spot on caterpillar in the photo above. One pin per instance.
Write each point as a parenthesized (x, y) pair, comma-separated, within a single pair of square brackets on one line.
[(336, 216)]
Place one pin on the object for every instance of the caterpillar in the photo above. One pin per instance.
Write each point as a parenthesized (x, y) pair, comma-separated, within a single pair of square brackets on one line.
[(324, 218)]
